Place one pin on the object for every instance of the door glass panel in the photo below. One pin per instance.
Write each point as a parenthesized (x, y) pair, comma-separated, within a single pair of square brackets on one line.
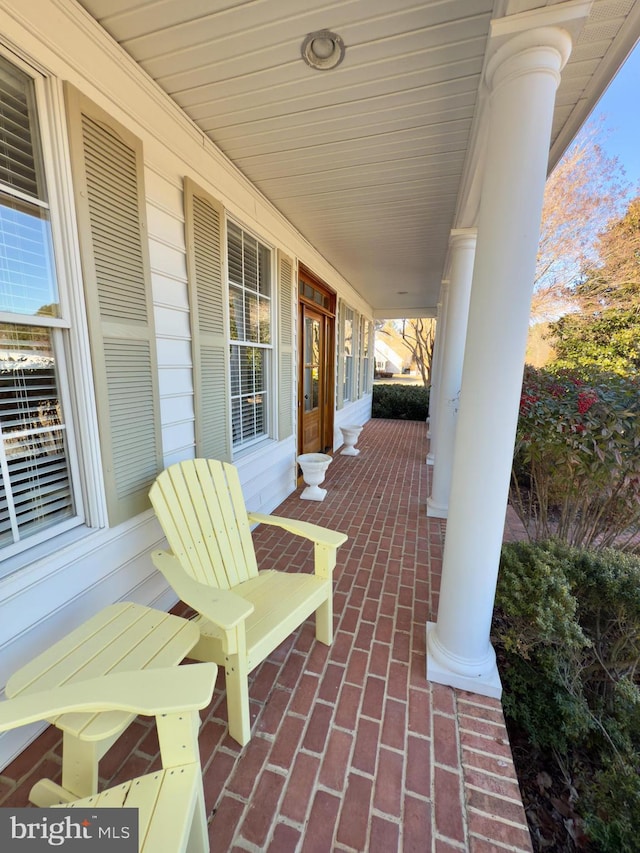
[(312, 363)]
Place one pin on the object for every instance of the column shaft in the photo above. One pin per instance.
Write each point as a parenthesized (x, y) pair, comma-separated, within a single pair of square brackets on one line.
[(523, 76), (463, 245)]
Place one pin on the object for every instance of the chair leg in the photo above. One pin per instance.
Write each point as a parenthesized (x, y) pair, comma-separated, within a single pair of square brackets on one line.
[(199, 835), (238, 699), (80, 766), (324, 622)]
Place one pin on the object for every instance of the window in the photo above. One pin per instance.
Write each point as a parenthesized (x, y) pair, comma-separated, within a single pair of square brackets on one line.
[(37, 496), (366, 343), (348, 389), (249, 271)]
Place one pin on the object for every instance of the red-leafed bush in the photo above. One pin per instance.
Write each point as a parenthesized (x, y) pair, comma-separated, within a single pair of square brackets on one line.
[(576, 470)]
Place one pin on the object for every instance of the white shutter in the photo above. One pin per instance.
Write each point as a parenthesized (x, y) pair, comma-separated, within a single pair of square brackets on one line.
[(108, 181), (285, 346), (340, 360), (204, 224)]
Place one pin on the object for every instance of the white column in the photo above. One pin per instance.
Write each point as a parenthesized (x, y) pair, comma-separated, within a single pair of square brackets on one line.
[(522, 77), (463, 247), (434, 391)]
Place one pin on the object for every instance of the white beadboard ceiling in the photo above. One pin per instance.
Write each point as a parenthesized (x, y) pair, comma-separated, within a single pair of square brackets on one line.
[(367, 160)]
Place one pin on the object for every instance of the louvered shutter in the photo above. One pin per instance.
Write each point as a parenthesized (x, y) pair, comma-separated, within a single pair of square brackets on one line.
[(357, 356), (285, 346), (108, 181), (340, 371), (204, 224)]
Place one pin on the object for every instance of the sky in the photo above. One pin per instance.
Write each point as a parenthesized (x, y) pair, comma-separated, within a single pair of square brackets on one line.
[(620, 106)]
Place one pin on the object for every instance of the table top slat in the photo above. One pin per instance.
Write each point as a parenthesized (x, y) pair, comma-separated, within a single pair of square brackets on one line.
[(122, 637)]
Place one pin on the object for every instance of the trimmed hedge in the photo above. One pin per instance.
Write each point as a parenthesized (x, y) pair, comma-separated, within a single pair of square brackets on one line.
[(400, 402)]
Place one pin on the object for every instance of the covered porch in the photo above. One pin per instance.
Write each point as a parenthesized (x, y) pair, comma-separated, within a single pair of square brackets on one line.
[(352, 748)]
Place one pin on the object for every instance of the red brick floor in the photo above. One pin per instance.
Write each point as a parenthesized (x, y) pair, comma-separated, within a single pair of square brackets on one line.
[(352, 749)]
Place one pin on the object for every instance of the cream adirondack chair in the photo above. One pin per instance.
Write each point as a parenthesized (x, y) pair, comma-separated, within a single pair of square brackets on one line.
[(244, 614), (170, 801)]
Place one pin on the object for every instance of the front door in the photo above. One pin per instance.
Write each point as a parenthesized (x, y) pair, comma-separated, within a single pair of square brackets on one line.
[(313, 380), (316, 371)]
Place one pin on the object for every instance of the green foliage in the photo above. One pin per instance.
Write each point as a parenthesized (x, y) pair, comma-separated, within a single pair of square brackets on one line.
[(609, 340), (605, 331), (567, 633), (537, 631), (406, 402), (576, 469), (613, 820)]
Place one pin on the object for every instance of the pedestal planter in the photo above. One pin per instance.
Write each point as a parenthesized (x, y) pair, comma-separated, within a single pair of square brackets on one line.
[(350, 435), (314, 467)]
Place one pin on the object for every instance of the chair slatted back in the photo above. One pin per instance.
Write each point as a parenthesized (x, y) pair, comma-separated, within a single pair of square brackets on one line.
[(201, 509)]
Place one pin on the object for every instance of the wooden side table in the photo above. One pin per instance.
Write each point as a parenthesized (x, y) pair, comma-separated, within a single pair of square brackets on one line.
[(122, 637)]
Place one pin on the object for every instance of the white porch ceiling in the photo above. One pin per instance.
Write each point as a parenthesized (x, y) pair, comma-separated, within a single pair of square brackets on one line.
[(370, 161)]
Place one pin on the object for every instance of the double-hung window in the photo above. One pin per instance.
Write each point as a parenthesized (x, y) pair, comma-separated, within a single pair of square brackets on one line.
[(37, 498), (365, 337), (250, 322)]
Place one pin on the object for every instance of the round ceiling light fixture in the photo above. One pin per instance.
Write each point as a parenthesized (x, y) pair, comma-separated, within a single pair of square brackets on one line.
[(323, 50)]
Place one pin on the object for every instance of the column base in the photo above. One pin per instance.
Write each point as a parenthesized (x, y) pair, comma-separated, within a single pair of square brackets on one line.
[(435, 510), (487, 684), (430, 458)]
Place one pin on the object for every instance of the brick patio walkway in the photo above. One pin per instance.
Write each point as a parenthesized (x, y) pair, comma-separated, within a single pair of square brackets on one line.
[(352, 749)]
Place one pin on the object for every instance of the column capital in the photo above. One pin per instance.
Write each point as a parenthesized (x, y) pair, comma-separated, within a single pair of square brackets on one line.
[(463, 237), (544, 49)]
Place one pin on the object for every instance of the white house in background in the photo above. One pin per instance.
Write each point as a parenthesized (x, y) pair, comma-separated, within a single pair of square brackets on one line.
[(201, 208), (390, 358)]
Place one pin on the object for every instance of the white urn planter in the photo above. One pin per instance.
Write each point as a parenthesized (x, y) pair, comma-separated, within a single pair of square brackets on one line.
[(314, 467), (350, 435)]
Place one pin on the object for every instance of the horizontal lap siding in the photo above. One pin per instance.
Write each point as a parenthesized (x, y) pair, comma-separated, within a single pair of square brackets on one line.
[(171, 306)]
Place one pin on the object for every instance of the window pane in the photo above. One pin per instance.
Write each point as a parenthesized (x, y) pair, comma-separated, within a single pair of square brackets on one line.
[(27, 281), (250, 257), (19, 163), (264, 270), (248, 405), (348, 332), (235, 370), (264, 320), (348, 377), (36, 489), (236, 314), (234, 253), (251, 316)]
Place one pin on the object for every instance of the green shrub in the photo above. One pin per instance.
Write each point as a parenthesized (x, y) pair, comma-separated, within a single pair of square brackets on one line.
[(576, 469), (406, 402), (541, 646), (567, 635), (613, 820)]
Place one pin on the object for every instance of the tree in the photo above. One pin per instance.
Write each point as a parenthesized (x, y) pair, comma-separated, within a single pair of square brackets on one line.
[(605, 330), (586, 190), (417, 336)]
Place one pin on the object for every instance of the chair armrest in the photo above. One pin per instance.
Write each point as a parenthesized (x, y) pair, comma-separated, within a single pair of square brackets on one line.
[(319, 535), (152, 692), (220, 606)]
